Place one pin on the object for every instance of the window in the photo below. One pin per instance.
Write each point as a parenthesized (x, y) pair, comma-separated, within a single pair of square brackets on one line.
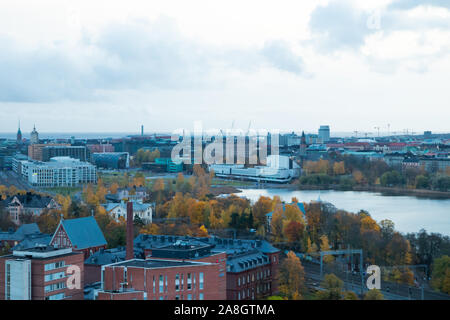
[(182, 282), (161, 283), (200, 281), (200, 296), (189, 281), (166, 285), (189, 297), (55, 265), (239, 282), (59, 296), (54, 276), (55, 286), (154, 285), (177, 282), (239, 295)]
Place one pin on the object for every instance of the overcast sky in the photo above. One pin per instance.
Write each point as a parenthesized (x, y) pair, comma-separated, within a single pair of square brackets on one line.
[(110, 66)]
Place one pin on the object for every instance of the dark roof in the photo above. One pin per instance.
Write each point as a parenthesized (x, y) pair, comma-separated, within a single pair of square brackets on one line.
[(24, 231), (230, 246), (27, 229), (33, 240), (156, 263), (245, 261), (107, 256), (30, 200), (84, 232)]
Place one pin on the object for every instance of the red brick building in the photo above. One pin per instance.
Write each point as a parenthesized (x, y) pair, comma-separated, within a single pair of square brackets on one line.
[(82, 235), (41, 273), (162, 279)]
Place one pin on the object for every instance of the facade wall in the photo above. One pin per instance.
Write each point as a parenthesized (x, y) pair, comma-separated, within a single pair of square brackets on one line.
[(39, 273), (148, 281)]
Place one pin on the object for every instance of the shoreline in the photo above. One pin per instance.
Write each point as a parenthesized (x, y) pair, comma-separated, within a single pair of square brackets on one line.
[(385, 191)]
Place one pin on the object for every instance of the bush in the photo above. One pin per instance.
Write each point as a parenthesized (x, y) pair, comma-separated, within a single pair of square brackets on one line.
[(391, 178)]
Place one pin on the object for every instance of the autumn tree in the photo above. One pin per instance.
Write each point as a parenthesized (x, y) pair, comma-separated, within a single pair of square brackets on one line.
[(332, 288), (441, 274), (294, 231), (261, 207), (374, 294), (291, 277), (325, 246), (276, 225), (339, 168)]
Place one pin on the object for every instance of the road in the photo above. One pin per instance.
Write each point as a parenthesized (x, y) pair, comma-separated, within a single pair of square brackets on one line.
[(391, 291)]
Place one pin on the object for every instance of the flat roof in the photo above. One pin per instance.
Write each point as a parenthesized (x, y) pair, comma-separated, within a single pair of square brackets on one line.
[(157, 263), (42, 252)]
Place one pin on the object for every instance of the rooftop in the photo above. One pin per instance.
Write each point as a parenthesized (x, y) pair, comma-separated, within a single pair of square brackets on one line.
[(157, 263)]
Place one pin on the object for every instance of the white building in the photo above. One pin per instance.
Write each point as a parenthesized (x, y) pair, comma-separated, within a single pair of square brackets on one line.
[(324, 134), (278, 169), (58, 172), (142, 210)]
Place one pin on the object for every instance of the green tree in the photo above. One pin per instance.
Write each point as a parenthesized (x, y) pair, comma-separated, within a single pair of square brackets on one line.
[(441, 274), (332, 288)]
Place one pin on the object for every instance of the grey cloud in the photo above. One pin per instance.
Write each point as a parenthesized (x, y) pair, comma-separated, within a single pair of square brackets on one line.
[(133, 56), (338, 26), (279, 55)]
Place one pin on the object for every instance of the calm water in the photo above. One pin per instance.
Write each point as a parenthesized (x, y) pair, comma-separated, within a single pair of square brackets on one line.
[(409, 214)]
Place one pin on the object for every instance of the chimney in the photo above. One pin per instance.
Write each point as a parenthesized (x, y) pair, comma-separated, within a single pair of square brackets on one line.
[(130, 236)]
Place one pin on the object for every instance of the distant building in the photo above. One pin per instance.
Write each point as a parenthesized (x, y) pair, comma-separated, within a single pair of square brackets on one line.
[(278, 169), (58, 172), (111, 160), (76, 152), (40, 273), (35, 151), (19, 135), (119, 210), (28, 204), (139, 194), (34, 137), (324, 134), (13, 238), (82, 235), (100, 148)]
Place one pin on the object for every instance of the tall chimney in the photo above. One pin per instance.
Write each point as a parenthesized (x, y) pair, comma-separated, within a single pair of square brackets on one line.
[(130, 235)]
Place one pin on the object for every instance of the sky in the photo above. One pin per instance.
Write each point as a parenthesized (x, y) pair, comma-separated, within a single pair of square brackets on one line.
[(112, 66)]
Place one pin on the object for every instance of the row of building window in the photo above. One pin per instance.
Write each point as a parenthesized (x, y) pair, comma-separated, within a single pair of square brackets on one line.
[(263, 288), (259, 275), (55, 286), (54, 276), (55, 265), (191, 281)]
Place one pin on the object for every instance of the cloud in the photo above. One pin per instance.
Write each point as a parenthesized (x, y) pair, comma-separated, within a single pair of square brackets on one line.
[(138, 55), (280, 56), (338, 26), (410, 4)]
